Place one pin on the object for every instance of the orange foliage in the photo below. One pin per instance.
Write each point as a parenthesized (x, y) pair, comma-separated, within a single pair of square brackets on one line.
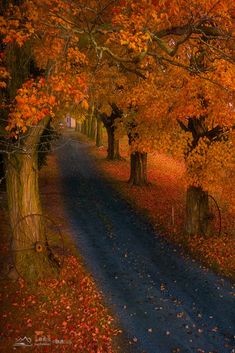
[(121, 41), (39, 99), (70, 310), (217, 252), (163, 202), (64, 84), (158, 61), (15, 26), (32, 105), (184, 55), (141, 21), (4, 75)]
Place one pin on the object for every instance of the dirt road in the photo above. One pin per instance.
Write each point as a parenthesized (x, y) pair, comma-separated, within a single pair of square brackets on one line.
[(164, 302)]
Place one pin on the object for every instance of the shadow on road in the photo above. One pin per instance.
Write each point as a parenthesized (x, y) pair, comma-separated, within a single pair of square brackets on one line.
[(164, 302)]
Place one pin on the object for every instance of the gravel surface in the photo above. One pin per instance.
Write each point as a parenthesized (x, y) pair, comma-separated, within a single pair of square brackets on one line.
[(164, 302)]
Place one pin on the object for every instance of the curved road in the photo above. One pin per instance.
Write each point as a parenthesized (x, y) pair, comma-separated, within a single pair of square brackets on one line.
[(164, 302)]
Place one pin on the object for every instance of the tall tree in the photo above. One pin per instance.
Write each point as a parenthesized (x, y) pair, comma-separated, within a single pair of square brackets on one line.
[(193, 44), (40, 81), (190, 44)]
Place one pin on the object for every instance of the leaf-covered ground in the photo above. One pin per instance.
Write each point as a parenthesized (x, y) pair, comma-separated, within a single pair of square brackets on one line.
[(163, 201), (68, 315), (164, 301), (65, 315)]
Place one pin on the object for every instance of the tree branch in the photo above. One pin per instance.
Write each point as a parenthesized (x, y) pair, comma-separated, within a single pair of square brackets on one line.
[(183, 127), (173, 51), (135, 71)]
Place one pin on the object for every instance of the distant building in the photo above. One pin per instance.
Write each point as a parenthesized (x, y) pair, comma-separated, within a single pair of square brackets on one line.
[(70, 122)]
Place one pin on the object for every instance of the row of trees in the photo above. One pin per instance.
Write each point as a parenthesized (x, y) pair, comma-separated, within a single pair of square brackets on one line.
[(160, 72)]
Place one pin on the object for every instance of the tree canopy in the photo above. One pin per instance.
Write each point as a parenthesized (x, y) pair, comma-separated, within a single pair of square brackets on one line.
[(167, 66)]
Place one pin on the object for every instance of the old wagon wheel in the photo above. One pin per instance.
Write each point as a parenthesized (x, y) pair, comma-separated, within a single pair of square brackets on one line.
[(213, 216), (37, 247)]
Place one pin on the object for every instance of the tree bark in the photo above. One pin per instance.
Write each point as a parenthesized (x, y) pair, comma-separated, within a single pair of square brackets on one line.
[(86, 127), (197, 200), (2, 172), (138, 169), (89, 119), (99, 133), (24, 200), (22, 186), (83, 129), (113, 145), (197, 211), (93, 127), (78, 127), (109, 123)]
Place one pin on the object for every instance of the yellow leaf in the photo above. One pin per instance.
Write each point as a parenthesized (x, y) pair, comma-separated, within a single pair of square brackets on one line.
[(85, 104)]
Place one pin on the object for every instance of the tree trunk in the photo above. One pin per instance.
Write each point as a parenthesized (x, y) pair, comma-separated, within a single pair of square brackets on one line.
[(109, 123), (197, 211), (113, 145), (99, 133), (138, 172), (78, 127), (89, 119), (24, 200), (83, 129), (22, 186), (93, 127), (197, 200), (86, 127), (2, 172)]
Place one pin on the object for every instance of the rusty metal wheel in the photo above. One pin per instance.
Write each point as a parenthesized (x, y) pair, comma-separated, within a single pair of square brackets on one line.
[(37, 247), (214, 216)]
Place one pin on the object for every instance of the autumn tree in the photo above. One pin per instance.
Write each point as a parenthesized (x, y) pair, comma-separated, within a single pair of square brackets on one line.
[(69, 40), (99, 131), (58, 38), (209, 122), (173, 36), (31, 100), (107, 84), (193, 44)]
